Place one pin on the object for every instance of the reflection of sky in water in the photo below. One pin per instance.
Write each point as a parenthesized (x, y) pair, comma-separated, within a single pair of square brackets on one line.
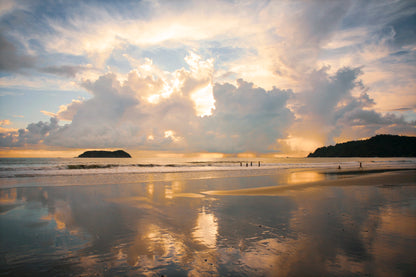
[(304, 176), (206, 229), (168, 227)]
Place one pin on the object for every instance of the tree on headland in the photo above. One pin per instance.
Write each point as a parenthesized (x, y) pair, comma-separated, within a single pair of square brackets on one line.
[(377, 146)]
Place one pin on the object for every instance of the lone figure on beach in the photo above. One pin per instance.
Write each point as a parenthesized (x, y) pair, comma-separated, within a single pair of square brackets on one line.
[(361, 165)]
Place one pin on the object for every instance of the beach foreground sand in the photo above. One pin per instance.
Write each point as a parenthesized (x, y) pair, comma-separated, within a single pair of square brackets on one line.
[(294, 222), (372, 177)]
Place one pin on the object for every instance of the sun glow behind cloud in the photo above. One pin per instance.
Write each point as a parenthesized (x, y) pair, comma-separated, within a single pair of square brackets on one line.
[(204, 101)]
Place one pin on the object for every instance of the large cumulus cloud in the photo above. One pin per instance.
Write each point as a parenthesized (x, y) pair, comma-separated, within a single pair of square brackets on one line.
[(151, 109), (338, 107), (246, 118)]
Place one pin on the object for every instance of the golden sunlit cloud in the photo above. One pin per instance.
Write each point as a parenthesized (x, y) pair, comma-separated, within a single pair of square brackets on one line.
[(299, 145), (171, 134), (204, 101)]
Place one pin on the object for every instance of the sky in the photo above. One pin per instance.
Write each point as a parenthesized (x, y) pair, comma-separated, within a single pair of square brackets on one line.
[(234, 76)]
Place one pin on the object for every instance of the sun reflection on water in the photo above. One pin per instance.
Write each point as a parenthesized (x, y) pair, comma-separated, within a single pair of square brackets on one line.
[(206, 229), (304, 177), (150, 189)]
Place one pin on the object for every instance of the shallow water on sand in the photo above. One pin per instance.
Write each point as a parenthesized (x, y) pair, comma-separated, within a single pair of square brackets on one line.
[(163, 224)]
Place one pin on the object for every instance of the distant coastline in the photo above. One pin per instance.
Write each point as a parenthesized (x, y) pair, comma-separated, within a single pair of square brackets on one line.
[(105, 154), (377, 146)]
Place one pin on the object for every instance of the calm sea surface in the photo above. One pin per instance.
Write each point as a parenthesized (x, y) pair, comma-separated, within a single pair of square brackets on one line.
[(151, 217)]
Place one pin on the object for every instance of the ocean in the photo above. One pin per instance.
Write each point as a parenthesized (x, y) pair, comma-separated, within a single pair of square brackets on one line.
[(33, 167), (208, 217)]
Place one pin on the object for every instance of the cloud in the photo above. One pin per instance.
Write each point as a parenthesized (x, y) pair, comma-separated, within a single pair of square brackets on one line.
[(405, 109), (35, 133), (7, 6), (15, 59), (66, 112), (11, 59), (97, 30), (160, 110), (64, 70), (150, 109), (338, 107), (4, 122), (332, 70), (365, 123), (183, 111), (50, 114), (246, 118)]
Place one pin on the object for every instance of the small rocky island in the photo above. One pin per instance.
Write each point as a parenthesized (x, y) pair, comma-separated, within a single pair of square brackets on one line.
[(378, 146), (105, 154)]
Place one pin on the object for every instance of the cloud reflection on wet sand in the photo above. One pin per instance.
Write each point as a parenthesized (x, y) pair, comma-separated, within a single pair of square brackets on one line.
[(170, 227)]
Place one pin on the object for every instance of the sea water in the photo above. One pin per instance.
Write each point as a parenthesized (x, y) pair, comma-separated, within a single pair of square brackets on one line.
[(152, 217), (32, 167)]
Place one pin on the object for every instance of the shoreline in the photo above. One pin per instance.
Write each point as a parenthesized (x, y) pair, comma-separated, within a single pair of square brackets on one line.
[(97, 178)]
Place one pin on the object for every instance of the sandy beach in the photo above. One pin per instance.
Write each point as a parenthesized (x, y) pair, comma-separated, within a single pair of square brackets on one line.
[(372, 177), (287, 222)]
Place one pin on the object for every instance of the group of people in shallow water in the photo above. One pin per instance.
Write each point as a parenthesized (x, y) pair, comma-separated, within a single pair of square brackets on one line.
[(251, 164)]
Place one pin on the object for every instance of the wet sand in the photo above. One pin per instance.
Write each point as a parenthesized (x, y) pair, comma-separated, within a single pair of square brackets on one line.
[(303, 222), (378, 177)]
